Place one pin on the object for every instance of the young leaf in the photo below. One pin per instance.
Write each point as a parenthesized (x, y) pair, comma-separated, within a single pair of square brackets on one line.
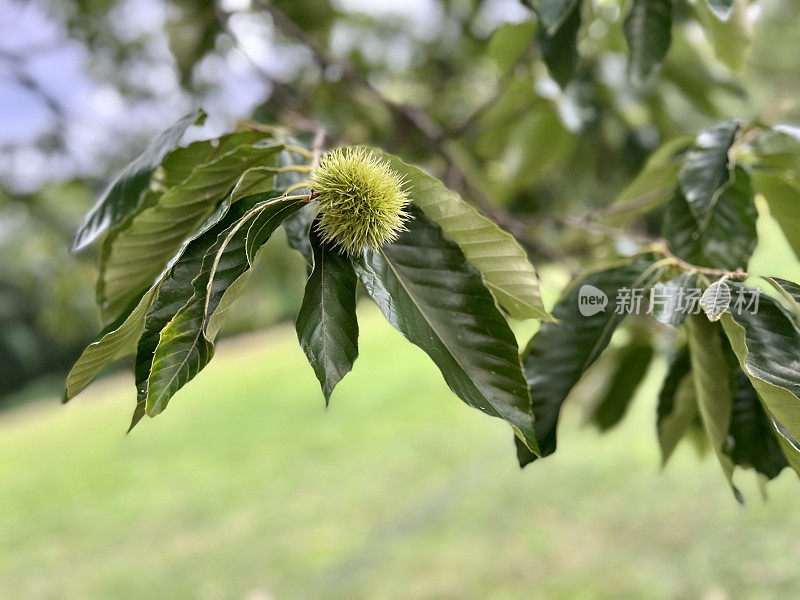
[(427, 289), (185, 344), (559, 41), (133, 254), (707, 170), (127, 190), (560, 353), (648, 34), (326, 325), (712, 387), (502, 262), (716, 299)]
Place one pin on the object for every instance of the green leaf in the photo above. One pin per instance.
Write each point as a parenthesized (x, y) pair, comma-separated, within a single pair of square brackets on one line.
[(648, 32), (186, 343), (326, 325), (712, 387), (677, 404), (632, 362), (560, 353), (298, 225), (115, 341), (789, 291), (554, 13), (721, 8), (136, 252), (783, 197), (119, 338), (730, 37), (729, 236), (427, 290), (509, 42), (503, 263), (261, 228), (708, 170), (127, 190), (766, 343), (653, 186), (778, 151), (752, 438), (559, 42), (174, 293)]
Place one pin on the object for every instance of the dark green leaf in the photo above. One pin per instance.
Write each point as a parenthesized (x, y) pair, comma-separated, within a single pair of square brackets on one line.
[(752, 440), (559, 43), (710, 373), (186, 343), (766, 343), (119, 338), (677, 404), (554, 13), (560, 353), (175, 292), (326, 325), (427, 289), (136, 252), (648, 32), (707, 170), (632, 362), (789, 291), (298, 225), (727, 239), (503, 263), (126, 191)]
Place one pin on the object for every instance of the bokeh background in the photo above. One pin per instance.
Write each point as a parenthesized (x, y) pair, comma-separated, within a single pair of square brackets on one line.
[(247, 487)]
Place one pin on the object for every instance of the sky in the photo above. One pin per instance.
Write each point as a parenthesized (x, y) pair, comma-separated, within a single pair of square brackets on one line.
[(97, 115)]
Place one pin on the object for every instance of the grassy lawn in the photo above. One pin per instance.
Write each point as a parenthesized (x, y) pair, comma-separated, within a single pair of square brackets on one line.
[(248, 488)]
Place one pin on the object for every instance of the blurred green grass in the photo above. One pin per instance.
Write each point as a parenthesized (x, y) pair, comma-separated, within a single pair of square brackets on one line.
[(248, 488)]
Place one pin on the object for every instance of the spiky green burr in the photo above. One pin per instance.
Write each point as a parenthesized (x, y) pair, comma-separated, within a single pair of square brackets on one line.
[(361, 200)]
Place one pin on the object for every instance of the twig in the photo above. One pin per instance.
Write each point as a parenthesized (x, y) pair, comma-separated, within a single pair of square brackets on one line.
[(316, 147)]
